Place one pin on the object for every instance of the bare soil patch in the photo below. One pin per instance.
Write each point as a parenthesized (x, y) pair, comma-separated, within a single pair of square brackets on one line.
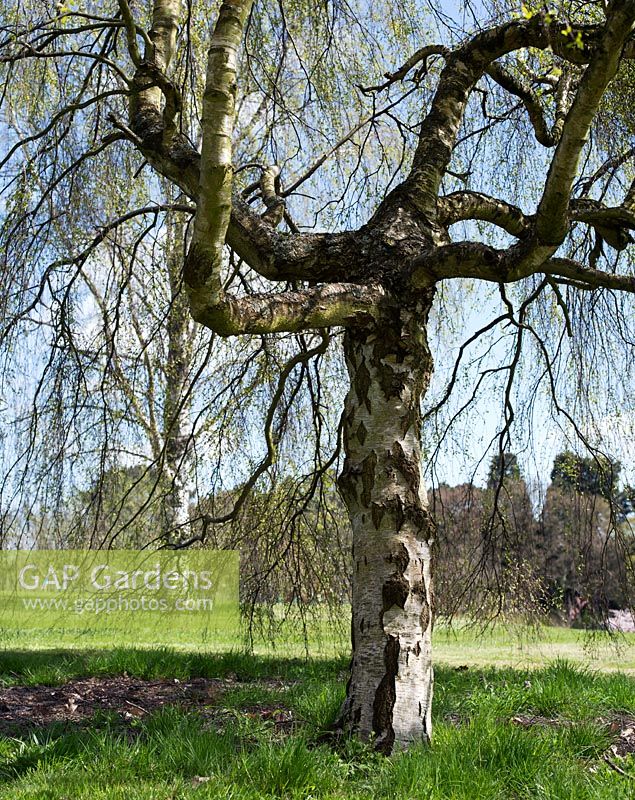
[(624, 728), (621, 727), (79, 700)]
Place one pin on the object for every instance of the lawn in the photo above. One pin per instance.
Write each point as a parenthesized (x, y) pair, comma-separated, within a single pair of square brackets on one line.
[(521, 646), (510, 644), (161, 723)]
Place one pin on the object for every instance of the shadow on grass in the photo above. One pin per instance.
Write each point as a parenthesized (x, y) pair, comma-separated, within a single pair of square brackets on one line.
[(52, 667), (35, 746)]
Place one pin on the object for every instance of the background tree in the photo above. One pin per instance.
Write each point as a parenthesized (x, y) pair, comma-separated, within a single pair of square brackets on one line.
[(486, 545), (503, 467), (370, 272), (460, 520), (583, 566), (596, 475)]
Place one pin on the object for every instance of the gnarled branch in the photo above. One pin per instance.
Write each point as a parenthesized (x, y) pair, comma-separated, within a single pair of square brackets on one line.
[(334, 304)]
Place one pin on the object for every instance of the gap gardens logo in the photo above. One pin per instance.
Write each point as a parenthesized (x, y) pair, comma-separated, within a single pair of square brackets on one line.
[(160, 597)]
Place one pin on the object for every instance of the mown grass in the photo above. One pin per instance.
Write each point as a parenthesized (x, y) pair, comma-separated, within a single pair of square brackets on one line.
[(324, 635), (479, 750), (524, 646)]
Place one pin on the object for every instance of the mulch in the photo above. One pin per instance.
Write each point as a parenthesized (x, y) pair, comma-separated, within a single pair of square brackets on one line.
[(126, 699)]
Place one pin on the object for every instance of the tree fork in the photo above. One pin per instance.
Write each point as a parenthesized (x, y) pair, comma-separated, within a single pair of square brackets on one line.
[(389, 692)]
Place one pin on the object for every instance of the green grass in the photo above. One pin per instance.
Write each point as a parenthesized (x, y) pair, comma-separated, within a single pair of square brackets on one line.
[(227, 751), (577, 683), (500, 645), (521, 646), (328, 636), (56, 666)]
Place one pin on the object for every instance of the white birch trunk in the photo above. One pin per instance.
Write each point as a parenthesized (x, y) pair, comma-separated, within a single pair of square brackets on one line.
[(390, 688), (177, 426)]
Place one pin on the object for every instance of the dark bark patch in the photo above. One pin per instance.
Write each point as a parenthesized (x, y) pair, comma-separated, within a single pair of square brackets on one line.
[(369, 464), (147, 123), (425, 616), (392, 383), (353, 633), (182, 152), (361, 433), (400, 558), (394, 592), (421, 520), (390, 343), (396, 507), (361, 382), (350, 476), (408, 467), (419, 591), (417, 652), (347, 482), (196, 268), (399, 514), (384, 700), (377, 512), (406, 424)]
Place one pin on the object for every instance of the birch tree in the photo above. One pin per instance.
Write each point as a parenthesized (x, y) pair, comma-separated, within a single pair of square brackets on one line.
[(375, 279)]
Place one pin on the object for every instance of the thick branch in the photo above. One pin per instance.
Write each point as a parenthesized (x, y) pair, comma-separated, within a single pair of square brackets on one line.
[(545, 134), (151, 81), (165, 21), (328, 257), (612, 224), (336, 304), (214, 201), (552, 218), (476, 260), (460, 206), (585, 277), (459, 260), (467, 64), (276, 256)]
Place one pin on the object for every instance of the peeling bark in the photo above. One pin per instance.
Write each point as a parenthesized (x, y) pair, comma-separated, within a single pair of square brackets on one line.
[(390, 688)]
